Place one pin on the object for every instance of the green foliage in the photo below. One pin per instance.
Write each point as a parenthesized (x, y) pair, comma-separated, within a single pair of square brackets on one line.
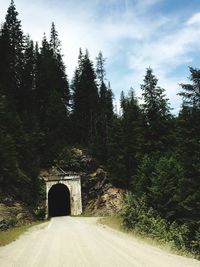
[(165, 186), (115, 154), (85, 101), (11, 55), (138, 217), (195, 244), (146, 150), (189, 148), (159, 180), (191, 93), (157, 117), (39, 208), (125, 141), (105, 112), (39, 212), (156, 208), (65, 157), (132, 132), (142, 180)]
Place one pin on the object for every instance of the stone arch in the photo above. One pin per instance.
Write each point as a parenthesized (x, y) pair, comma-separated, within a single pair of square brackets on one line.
[(59, 203), (73, 183)]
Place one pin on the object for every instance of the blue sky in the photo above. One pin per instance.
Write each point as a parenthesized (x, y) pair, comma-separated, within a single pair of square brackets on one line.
[(132, 34)]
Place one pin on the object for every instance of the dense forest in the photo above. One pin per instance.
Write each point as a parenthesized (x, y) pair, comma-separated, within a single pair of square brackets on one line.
[(147, 151)]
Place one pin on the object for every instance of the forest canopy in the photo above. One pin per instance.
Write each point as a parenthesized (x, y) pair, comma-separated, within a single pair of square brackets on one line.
[(146, 150)]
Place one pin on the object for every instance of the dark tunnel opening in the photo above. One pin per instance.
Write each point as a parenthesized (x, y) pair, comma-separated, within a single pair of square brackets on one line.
[(59, 201)]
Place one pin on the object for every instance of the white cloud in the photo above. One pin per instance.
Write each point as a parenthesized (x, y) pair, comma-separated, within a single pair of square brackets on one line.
[(165, 54), (194, 19), (129, 34)]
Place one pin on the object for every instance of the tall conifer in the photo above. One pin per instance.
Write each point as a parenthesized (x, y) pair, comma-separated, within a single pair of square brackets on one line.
[(156, 114), (85, 100), (105, 113), (11, 55), (189, 144)]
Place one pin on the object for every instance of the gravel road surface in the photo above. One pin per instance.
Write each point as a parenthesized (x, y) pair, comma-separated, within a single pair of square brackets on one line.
[(82, 242)]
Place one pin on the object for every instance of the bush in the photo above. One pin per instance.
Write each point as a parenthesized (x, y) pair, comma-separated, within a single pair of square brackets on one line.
[(40, 212), (195, 244), (132, 210), (139, 217)]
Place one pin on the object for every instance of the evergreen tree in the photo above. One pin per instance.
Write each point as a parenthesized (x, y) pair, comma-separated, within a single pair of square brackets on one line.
[(132, 120), (56, 128), (8, 149), (128, 138), (191, 93), (85, 100), (165, 187), (18, 162), (50, 75), (105, 92), (189, 146), (52, 97), (54, 41), (100, 70), (11, 55), (26, 92), (157, 116), (44, 72), (105, 115), (61, 81), (115, 154)]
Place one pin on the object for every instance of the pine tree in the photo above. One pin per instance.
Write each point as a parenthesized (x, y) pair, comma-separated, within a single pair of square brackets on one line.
[(105, 115), (85, 100), (18, 158), (127, 138), (26, 92), (115, 154), (132, 120), (189, 146), (43, 82), (191, 93), (165, 186), (54, 41), (61, 81), (157, 116), (52, 97), (8, 150), (105, 92), (11, 55), (100, 70)]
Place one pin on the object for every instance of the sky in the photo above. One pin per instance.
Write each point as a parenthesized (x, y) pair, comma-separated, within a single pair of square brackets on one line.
[(132, 35)]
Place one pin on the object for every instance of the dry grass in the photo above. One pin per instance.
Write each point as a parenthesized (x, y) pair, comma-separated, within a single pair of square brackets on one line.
[(115, 222), (10, 235)]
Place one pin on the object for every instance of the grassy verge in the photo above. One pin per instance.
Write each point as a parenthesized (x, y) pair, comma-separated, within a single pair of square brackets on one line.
[(12, 234), (115, 222)]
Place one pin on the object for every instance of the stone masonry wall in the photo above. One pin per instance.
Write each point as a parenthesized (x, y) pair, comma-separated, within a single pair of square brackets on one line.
[(74, 185)]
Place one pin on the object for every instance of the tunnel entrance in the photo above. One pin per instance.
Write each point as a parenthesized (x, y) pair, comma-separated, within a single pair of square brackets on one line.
[(59, 201)]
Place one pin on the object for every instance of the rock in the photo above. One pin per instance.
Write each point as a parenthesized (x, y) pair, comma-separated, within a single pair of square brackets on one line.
[(20, 216), (16, 214), (3, 225), (99, 197)]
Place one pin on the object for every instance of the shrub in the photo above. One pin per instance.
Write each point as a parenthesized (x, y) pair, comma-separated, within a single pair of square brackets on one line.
[(40, 212), (145, 220)]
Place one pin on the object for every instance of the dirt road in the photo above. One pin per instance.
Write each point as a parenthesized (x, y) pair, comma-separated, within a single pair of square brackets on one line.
[(81, 242)]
